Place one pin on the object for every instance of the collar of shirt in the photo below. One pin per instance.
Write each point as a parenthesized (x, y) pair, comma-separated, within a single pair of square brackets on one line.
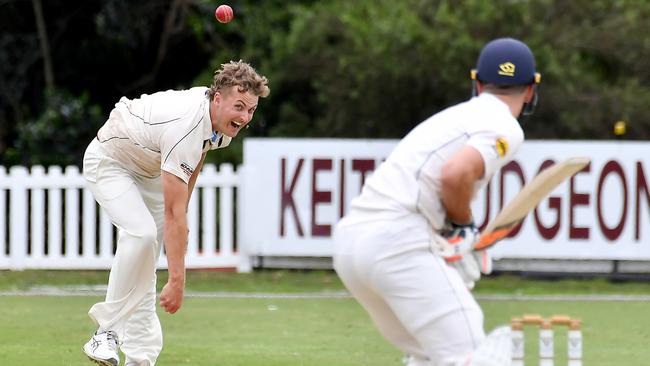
[(207, 121), (494, 101)]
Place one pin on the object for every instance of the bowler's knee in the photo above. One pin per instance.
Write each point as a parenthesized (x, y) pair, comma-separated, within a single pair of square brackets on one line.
[(144, 238)]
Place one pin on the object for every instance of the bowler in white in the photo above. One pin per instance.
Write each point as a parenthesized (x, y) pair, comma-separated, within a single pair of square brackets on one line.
[(141, 169)]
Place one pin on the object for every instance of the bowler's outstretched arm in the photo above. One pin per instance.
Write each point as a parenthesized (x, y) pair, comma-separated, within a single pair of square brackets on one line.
[(175, 193)]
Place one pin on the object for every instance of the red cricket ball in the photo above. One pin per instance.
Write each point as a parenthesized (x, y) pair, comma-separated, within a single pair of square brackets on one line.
[(224, 14)]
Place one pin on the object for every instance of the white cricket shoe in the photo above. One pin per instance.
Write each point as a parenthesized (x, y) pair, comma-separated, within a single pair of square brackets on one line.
[(102, 349)]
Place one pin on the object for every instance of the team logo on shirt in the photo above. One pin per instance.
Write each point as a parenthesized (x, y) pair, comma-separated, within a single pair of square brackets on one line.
[(187, 169), (501, 146), (507, 69)]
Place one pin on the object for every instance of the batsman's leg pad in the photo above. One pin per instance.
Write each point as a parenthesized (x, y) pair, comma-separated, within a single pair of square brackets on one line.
[(496, 349)]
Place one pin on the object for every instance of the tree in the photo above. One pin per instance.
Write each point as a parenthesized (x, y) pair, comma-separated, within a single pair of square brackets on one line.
[(337, 68), (374, 69), (96, 50)]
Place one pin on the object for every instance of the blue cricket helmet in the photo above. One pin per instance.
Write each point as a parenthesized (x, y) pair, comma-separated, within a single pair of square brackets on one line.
[(506, 61)]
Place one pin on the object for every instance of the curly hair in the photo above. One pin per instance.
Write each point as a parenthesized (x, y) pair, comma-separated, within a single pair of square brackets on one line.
[(241, 74)]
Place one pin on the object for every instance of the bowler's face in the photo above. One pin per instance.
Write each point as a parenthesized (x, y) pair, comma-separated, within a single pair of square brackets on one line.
[(231, 110)]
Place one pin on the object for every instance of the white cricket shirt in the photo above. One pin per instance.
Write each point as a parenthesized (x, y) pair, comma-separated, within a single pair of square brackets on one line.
[(167, 131), (404, 190)]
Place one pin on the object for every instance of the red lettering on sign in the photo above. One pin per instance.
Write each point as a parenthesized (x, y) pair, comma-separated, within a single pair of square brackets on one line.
[(319, 197), (554, 203), (286, 196), (363, 166), (577, 199), (511, 167), (641, 184), (326, 198), (615, 168)]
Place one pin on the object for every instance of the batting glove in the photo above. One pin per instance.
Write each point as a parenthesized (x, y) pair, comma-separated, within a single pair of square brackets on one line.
[(471, 265), (457, 241), (456, 247)]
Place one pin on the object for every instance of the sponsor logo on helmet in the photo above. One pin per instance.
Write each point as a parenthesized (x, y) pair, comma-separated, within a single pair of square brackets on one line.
[(507, 69)]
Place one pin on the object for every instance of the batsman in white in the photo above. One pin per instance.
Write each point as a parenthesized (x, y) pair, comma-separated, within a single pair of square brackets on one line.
[(141, 169), (405, 248)]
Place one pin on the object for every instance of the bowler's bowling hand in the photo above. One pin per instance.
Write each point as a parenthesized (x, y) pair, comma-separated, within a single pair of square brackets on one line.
[(171, 297)]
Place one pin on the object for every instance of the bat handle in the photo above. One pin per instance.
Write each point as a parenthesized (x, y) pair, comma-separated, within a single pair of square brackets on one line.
[(489, 239)]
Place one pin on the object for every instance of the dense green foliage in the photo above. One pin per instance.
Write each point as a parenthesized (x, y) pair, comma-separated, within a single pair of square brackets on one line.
[(337, 68), (60, 134)]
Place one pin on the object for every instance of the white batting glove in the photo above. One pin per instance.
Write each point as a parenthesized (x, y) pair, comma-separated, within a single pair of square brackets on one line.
[(471, 265), (458, 240), (456, 247)]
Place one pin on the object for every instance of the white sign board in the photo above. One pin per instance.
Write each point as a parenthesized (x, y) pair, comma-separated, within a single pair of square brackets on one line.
[(295, 190)]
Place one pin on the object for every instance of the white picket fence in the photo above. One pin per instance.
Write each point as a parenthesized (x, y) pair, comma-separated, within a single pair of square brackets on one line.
[(49, 220)]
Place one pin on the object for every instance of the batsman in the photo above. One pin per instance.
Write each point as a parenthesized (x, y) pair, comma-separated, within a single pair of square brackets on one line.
[(405, 249), (141, 169)]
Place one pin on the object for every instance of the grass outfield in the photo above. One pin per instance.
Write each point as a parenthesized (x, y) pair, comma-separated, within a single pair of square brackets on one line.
[(45, 330)]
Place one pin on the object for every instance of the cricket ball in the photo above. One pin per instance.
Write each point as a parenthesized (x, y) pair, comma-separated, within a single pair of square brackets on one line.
[(224, 13)]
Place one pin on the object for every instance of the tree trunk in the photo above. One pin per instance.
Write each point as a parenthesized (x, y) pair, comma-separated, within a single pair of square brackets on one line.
[(174, 22), (45, 46)]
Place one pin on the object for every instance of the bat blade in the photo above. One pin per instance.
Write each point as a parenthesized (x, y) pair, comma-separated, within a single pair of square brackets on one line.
[(527, 199)]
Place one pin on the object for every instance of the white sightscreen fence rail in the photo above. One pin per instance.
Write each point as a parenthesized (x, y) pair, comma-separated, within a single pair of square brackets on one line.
[(49, 220)]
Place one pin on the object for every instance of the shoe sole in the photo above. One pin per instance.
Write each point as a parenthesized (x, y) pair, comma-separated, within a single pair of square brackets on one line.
[(101, 362)]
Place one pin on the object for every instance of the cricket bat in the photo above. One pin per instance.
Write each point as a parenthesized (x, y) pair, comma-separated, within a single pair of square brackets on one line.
[(527, 199)]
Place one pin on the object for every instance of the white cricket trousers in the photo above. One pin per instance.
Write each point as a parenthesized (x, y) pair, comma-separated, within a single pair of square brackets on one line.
[(418, 302), (135, 206)]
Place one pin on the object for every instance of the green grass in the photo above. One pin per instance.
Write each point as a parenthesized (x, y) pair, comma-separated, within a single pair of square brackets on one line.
[(51, 330), (259, 281), (613, 333), (43, 330), (301, 281), (517, 285)]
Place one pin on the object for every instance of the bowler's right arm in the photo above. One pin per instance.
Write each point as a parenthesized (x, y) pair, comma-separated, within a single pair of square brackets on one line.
[(175, 192)]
